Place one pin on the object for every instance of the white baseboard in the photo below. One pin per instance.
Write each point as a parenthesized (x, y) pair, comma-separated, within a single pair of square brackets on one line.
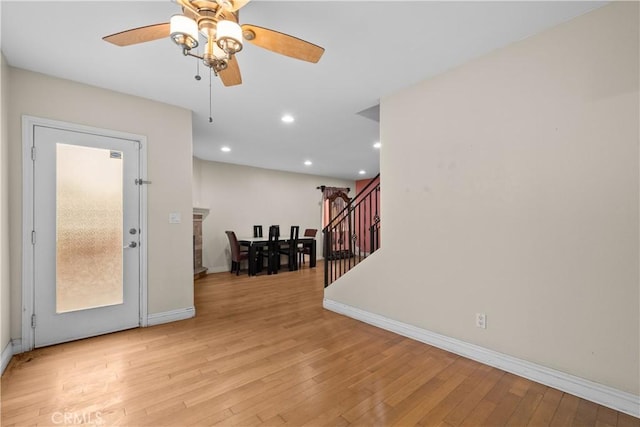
[(7, 354), (171, 316), (16, 343), (589, 390)]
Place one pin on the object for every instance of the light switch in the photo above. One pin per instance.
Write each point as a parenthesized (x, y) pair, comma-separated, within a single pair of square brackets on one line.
[(174, 218)]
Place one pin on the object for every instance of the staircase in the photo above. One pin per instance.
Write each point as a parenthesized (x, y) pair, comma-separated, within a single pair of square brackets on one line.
[(353, 234)]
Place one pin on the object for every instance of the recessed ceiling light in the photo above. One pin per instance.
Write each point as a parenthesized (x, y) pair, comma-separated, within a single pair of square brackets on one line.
[(287, 118), (362, 172), (377, 144), (225, 149), (308, 163)]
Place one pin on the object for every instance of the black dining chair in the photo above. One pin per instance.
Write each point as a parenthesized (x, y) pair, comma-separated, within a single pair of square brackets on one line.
[(305, 249), (237, 255), (290, 248), (272, 253), (257, 233)]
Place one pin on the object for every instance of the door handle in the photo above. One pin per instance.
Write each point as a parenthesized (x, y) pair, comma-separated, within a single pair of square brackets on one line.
[(131, 245)]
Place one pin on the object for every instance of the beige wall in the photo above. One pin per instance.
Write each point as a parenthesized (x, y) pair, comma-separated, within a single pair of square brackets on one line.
[(240, 196), (5, 334), (511, 188), (168, 132)]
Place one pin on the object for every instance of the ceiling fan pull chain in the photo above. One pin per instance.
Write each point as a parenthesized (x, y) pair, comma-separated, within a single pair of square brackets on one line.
[(197, 77), (210, 117)]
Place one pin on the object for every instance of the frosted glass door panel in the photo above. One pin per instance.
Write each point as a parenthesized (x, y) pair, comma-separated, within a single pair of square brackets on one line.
[(89, 226), (86, 233)]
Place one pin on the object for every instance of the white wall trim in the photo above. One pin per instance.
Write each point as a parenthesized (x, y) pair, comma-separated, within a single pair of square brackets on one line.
[(144, 226), (13, 347), (7, 354), (171, 316), (16, 343), (27, 308), (203, 211), (598, 393)]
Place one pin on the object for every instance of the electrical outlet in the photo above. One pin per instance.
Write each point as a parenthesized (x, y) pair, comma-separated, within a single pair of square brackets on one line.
[(481, 320)]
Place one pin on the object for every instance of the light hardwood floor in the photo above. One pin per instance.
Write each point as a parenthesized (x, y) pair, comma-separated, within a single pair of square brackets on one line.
[(263, 351)]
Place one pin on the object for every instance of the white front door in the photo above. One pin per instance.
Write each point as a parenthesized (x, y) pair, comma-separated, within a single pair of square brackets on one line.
[(86, 221)]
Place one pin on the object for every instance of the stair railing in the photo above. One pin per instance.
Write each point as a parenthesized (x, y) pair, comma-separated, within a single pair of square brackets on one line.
[(353, 234)]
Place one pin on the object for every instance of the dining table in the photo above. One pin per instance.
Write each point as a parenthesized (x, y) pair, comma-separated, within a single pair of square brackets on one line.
[(256, 243)]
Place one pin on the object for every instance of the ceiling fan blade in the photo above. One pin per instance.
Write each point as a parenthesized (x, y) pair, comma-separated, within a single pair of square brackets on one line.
[(281, 43), (237, 4), (139, 35), (230, 76)]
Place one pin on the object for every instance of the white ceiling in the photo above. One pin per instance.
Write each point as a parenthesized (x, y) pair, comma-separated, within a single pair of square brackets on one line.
[(373, 48)]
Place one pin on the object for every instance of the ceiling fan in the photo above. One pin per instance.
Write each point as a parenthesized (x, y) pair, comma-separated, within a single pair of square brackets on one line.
[(217, 22)]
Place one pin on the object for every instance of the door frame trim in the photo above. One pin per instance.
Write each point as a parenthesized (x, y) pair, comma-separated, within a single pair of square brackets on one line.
[(28, 124)]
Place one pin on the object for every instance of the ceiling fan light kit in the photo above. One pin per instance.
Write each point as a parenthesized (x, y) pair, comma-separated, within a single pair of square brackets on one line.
[(229, 37), (214, 57), (184, 31), (217, 21)]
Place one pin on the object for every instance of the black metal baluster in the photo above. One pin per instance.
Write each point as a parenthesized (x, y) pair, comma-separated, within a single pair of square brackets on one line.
[(358, 217)]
